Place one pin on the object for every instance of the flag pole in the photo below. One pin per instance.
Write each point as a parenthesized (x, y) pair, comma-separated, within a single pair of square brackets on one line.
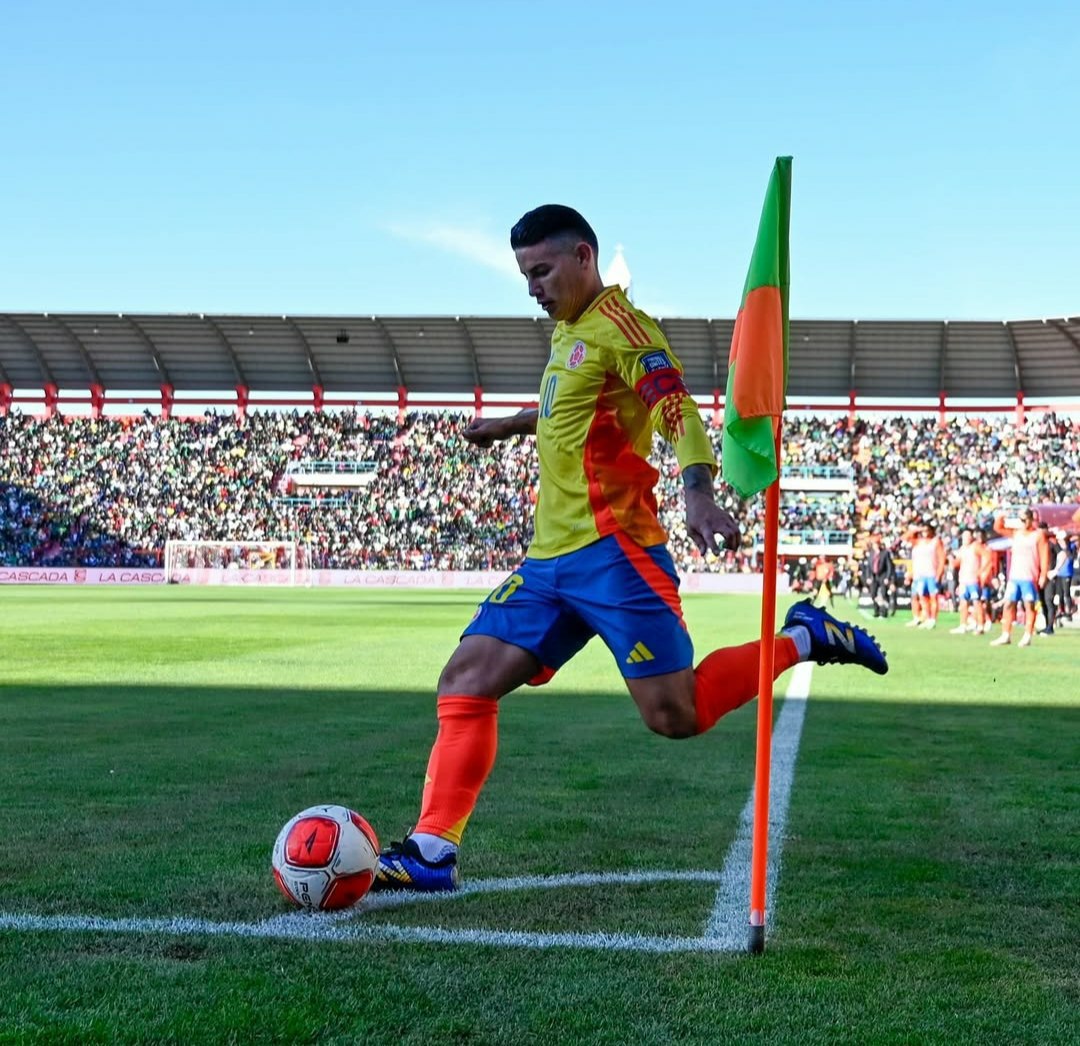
[(753, 421), (760, 853)]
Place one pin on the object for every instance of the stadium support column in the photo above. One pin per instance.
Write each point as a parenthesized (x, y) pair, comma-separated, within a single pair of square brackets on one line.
[(166, 401), (941, 410), (317, 398), (5, 399), (851, 409), (1019, 410), (402, 403), (97, 400), (241, 402), (52, 397), (717, 410), (478, 399)]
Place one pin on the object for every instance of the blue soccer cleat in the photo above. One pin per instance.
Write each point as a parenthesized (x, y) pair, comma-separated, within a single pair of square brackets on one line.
[(402, 867), (834, 642)]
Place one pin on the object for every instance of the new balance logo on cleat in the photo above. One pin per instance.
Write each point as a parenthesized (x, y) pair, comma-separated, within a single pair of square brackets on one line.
[(640, 653), (841, 634), (834, 642)]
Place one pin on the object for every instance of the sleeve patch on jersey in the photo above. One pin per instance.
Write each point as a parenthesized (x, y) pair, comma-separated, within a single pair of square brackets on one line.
[(655, 361), (655, 387)]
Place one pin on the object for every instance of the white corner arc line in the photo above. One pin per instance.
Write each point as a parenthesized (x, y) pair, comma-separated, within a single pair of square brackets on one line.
[(730, 917)]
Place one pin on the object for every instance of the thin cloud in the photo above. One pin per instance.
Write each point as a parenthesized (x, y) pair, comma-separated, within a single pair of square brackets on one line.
[(474, 245)]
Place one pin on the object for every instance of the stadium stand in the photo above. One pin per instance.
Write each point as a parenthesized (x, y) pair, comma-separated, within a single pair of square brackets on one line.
[(346, 398), (110, 491)]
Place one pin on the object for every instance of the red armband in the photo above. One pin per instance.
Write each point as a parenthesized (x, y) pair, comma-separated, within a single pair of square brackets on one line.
[(660, 384)]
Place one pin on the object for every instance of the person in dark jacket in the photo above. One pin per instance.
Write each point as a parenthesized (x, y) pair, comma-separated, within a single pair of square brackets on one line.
[(878, 570)]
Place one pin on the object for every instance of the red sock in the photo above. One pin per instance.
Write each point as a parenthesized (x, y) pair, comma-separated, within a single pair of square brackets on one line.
[(461, 759), (727, 678)]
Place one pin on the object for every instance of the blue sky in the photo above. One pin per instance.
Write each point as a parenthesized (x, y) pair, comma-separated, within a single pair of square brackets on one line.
[(358, 158)]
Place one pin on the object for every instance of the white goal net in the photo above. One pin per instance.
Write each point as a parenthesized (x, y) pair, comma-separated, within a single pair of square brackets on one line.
[(236, 562)]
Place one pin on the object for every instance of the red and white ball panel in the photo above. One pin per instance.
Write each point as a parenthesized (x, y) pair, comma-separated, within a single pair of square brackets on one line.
[(325, 857)]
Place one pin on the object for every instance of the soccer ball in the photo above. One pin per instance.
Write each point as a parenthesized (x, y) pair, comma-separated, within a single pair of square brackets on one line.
[(324, 858)]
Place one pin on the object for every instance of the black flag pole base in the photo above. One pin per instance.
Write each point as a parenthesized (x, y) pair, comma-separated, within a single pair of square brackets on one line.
[(756, 943)]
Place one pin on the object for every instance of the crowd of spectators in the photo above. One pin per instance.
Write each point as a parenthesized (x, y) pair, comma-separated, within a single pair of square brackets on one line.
[(111, 491)]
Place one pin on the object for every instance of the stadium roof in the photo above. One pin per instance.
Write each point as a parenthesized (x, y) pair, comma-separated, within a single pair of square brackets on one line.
[(449, 355)]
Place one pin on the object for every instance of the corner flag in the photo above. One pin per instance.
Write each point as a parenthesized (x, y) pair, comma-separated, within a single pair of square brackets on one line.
[(758, 362), (753, 410)]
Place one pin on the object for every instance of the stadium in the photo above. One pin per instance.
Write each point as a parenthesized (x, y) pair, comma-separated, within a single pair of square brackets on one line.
[(417, 628), (228, 526)]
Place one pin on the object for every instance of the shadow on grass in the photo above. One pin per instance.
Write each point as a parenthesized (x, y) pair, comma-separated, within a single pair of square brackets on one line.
[(166, 800)]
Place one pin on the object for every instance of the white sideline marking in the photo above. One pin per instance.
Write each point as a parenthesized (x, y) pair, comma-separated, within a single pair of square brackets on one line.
[(329, 928), (728, 924), (725, 930)]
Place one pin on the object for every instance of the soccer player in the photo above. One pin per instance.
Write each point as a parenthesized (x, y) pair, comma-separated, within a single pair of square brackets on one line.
[(985, 578), (1028, 565), (968, 590), (927, 568), (598, 563)]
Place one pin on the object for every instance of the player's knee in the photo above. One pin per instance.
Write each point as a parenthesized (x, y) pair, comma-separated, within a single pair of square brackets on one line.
[(671, 718)]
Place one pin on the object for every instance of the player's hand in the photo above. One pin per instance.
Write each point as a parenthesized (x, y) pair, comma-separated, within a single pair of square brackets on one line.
[(482, 432), (705, 520)]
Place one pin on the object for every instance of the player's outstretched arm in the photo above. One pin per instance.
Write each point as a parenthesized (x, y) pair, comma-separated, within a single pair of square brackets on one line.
[(482, 432), (705, 519)]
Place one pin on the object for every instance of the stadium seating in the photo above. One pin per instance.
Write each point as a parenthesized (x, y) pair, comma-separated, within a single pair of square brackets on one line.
[(110, 491)]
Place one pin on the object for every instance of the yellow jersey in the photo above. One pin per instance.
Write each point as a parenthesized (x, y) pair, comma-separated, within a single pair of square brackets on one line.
[(610, 382)]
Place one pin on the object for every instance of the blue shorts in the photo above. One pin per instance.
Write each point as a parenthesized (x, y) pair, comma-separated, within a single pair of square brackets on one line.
[(1021, 590), (924, 586), (613, 588), (970, 594)]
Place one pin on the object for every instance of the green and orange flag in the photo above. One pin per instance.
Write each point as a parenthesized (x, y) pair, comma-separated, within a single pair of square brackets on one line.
[(757, 365)]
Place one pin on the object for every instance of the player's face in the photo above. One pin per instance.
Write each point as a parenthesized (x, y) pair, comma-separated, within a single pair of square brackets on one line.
[(559, 272)]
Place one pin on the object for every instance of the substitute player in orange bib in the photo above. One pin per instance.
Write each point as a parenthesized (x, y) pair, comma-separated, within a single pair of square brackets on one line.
[(968, 589), (598, 563), (1029, 561), (927, 568), (985, 559)]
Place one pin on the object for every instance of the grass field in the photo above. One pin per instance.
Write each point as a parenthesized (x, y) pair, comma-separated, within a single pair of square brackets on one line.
[(152, 742)]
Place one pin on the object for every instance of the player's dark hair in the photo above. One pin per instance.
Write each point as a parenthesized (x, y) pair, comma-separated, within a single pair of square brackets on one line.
[(551, 219)]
